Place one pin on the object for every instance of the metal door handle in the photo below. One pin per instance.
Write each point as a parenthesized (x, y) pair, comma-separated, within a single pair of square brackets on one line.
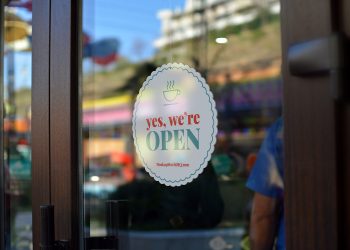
[(323, 56), (117, 218)]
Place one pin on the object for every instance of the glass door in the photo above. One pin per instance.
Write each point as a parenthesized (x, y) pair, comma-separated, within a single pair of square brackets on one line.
[(235, 46), (90, 61), (16, 125)]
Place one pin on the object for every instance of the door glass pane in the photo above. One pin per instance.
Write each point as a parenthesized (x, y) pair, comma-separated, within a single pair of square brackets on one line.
[(235, 45), (17, 63)]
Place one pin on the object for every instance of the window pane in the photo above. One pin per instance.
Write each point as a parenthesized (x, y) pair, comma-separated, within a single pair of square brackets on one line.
[(235, 46), (17, 125)]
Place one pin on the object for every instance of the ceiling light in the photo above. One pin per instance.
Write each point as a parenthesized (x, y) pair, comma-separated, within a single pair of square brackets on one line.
[(221, 40), (95, 178)]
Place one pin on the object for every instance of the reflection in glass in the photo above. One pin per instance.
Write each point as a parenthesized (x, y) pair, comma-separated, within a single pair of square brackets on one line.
[(17, 125), (235, 45)]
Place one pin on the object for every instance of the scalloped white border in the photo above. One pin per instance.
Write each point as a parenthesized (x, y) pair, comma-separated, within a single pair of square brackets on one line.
[(215, 123)]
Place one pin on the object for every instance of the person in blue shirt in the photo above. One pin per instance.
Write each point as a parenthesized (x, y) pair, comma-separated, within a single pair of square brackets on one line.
[(267, 229)]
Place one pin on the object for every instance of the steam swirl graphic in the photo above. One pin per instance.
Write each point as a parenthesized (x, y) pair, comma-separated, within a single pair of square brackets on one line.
[(170, 85)]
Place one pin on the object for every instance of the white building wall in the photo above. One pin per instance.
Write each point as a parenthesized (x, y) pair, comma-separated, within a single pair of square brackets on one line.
[(189, 23)]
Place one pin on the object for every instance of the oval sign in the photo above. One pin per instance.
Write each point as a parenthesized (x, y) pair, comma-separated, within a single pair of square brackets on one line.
[(175, 124)]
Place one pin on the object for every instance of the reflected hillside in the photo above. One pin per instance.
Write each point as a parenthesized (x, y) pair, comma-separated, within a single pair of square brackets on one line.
[(252, 53)]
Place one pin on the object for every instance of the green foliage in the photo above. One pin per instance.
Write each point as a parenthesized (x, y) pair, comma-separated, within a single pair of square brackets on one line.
[(258, 34), (255, 25)]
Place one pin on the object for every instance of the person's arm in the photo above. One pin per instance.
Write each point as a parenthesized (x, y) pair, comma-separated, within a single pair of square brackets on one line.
[(264, 222)]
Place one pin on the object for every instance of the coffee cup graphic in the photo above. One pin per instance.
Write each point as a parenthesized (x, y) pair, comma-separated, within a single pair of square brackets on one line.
[(171, 93)]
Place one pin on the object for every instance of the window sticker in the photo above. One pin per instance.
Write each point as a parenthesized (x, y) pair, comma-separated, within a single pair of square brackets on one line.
[(175, 124)]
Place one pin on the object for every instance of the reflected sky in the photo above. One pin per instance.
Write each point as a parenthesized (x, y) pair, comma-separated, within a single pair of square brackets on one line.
[(133, 23), (23, 59)]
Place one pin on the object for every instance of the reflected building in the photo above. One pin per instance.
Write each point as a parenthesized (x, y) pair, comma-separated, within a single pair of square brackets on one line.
[(198, 15)]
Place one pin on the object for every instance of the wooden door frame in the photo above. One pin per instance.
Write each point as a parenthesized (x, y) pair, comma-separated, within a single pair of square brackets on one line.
[(310, 133), (65, 118), (41, 183), (342, 9), (55, 108), (2, 167)]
